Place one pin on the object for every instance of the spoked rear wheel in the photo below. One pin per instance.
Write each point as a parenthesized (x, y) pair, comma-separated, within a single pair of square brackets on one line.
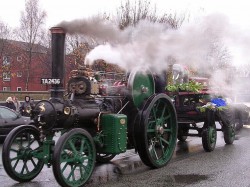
[(156, 133), (74, 158), (18, 153)]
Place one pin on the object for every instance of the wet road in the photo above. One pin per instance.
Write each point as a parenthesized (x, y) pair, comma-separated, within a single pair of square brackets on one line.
[(227, 165)]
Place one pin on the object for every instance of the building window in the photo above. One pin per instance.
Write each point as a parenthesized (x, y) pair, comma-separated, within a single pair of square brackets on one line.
[(19, 58), (19, 89), (6, 88), (6, 76), (19, 74), (6, 60)]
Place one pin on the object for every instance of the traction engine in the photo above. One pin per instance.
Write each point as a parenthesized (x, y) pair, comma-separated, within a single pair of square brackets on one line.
[(94, 128)]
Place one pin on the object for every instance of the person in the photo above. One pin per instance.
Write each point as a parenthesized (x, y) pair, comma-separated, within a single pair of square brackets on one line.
[(25, 107), (10, 104), (16, 103)]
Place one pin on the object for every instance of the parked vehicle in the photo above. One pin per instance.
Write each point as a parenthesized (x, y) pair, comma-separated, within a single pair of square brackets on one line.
[(9, 119)]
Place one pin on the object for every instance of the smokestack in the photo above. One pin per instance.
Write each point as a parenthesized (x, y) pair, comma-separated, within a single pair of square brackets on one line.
[(58, 50)]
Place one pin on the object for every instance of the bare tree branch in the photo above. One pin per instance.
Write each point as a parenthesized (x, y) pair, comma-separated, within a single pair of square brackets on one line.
[(31, 30)]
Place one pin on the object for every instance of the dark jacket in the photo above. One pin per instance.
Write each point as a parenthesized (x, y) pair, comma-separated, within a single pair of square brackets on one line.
[(10, 105), (25, 108)]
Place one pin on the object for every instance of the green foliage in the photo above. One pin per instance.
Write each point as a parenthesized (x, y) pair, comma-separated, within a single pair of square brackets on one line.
[(191, 86)]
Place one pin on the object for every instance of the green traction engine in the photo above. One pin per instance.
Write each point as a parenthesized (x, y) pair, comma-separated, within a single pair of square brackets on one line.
[(72, 132)]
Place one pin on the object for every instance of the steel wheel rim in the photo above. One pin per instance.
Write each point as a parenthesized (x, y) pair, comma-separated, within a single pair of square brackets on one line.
[(160, 132), (76, 160)]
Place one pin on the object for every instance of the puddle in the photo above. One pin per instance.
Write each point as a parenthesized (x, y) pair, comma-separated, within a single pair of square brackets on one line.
[(188, 179)]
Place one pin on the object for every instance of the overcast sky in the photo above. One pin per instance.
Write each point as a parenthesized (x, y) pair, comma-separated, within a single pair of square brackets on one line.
[(59, 10)]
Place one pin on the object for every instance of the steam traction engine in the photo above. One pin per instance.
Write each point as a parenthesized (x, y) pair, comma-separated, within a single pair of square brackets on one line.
[(93, 127)]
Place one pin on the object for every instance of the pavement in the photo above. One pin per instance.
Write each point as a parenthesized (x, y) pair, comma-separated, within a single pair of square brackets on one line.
[(123, 163), (130, 162)]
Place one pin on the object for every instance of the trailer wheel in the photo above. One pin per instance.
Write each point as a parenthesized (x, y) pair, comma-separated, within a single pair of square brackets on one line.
[(229, 133), (156, 133), (104, 158), (18, 153), (209, 137), (74, 158)]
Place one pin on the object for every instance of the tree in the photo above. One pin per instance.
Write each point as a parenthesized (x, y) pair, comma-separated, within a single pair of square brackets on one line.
[(4, 35), (129, 14), (31, 30)]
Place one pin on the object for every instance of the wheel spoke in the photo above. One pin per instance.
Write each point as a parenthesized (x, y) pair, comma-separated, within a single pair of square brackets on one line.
[(82, 146), (65, 166), (150, 130), (168, 130), (166, 117), (163, 112), (72, 172), (15, 165), (14, 150), (72, 146), (33, 162), (24, 166), (66, 158), (15, 158), (162, 147), (163, 140), (31, 142), (27, 169), (153, 151), (154, 113)]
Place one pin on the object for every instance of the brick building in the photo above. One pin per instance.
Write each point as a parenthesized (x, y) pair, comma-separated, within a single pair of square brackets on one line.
[(18, 73), (15, 72)]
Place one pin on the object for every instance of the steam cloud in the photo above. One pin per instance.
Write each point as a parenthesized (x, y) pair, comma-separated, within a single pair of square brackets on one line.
[(156, 45)]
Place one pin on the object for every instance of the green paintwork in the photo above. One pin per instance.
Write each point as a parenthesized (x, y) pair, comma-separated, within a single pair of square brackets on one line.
[(19, 154), (212, 134), (161, 132), (74, 158), (156, 131), (141, 86), (114, 127)]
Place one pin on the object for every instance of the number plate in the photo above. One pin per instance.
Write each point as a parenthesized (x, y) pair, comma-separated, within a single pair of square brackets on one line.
[(50, 81)]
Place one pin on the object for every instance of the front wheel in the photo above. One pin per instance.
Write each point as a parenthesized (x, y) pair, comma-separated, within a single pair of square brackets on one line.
[(19, 149), (74, 158), (209, 137)]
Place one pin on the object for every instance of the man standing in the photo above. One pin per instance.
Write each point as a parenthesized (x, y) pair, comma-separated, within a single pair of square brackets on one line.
[(25, 107)]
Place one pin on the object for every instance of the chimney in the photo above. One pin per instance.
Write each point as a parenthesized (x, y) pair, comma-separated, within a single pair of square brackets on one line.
[(58, 50)]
